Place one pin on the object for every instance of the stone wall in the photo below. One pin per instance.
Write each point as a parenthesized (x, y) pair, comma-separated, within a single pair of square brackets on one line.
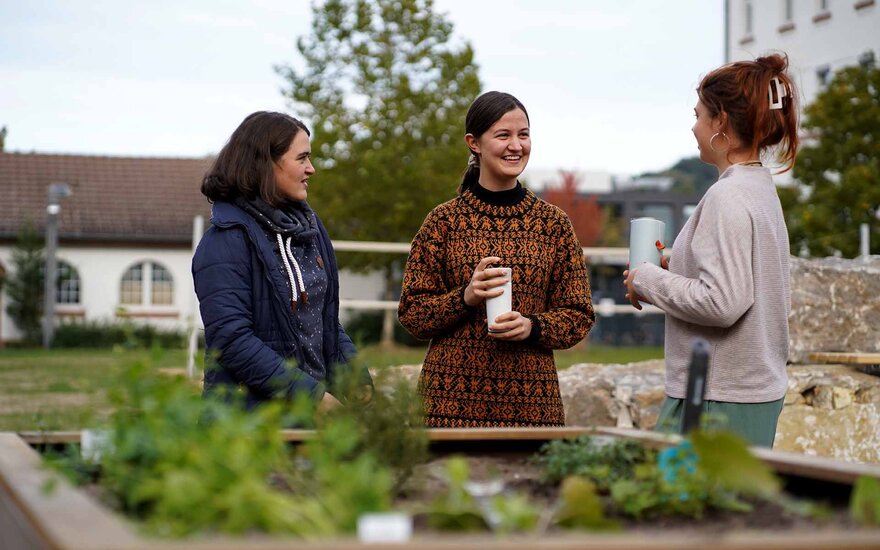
[(835, 306), (830, 410)]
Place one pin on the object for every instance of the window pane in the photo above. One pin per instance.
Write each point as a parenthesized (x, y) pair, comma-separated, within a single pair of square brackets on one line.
[(748, 18), (163, 286), (67, 285), (131, 288)]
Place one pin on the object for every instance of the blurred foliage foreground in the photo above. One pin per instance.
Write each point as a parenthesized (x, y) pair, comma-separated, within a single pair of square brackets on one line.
[(184, 465)]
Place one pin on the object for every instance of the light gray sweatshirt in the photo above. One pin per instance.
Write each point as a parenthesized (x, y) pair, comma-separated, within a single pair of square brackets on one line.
[(728, 282)]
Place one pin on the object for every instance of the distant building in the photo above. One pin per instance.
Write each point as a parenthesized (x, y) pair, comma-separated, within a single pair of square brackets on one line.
[(629, 198), (819, 36), (589, 181)]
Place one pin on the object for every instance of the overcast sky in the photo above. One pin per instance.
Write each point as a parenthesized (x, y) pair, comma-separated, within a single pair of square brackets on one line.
[(609, 85)]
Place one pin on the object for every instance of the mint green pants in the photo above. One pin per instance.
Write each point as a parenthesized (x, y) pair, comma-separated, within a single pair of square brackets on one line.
[(754, 422)]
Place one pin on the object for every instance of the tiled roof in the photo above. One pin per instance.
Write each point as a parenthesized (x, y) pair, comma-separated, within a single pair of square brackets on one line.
[(130, 199)]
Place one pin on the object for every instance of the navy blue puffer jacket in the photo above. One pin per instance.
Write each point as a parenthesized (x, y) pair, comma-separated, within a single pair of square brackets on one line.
[(244, 299)]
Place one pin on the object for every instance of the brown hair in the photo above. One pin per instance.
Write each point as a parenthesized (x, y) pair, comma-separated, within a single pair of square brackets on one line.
[(482, 114), (742, 90), (244, 167)]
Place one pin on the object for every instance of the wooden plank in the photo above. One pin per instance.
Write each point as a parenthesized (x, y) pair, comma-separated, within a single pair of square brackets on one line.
[(63, 518), (821, 468), (50, 438), (504, 434), (845, 358), (814, 467), (659, 540)]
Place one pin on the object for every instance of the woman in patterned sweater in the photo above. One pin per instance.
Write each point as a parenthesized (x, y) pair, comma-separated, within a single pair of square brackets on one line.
[(472, 377)]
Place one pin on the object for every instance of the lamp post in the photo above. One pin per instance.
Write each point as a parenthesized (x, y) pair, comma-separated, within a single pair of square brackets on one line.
[(57, 191)]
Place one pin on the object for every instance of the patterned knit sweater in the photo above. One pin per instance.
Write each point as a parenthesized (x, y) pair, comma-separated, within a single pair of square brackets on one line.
[(469, 379)]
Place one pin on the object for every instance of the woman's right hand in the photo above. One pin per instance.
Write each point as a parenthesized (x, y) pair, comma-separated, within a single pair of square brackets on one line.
[(485, 282)]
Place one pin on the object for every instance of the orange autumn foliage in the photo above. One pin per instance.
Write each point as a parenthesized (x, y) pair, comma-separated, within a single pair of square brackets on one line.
[(584, 212)]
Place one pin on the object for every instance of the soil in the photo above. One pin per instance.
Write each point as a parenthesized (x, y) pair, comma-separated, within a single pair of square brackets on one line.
[(521, 476)]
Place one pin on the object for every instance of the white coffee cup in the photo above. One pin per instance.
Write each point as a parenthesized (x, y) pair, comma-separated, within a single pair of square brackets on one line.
[(500, 305), (643, 236)]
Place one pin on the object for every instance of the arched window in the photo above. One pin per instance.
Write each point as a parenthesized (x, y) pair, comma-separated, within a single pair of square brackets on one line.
[(131, 289), (147, 283), (162, 291), (67, 285)]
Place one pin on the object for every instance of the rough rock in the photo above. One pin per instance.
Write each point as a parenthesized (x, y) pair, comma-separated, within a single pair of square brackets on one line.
[(838, 415), (830, 410), (626, 396), (835, 306)]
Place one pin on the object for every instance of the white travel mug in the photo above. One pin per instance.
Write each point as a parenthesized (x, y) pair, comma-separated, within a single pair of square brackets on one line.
[(643, 236), (500, 305)]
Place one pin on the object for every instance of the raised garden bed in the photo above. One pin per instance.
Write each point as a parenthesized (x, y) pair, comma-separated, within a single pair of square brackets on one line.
[(67, 518)]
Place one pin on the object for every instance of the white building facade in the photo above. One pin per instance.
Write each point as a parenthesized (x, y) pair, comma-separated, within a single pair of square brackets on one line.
[(819, 36)]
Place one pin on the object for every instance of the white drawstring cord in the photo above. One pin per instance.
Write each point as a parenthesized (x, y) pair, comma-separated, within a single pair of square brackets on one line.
[(299, 275), (295, 289)]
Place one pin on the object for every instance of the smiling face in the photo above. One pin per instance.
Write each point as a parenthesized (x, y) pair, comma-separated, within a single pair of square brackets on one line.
[(503, 149), (293, 169)]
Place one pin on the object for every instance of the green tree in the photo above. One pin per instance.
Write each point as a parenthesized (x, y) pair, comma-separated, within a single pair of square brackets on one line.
[(386, 95), (838, 169), (25, 285), (3, 133), (691, 175)]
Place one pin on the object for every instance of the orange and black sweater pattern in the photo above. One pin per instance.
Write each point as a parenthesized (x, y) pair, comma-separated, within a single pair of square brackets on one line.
[(469, 379)]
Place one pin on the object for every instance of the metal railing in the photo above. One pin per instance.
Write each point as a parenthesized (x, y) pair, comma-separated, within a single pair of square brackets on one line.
[(601, 309)]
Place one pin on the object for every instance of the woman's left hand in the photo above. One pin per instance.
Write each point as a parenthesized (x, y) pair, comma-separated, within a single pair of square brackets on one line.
[(631, 293), (512, 326)]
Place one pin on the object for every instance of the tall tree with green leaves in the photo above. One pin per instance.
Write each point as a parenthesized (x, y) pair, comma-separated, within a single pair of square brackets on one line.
[(838, 169), (385, 92), (25, 285)]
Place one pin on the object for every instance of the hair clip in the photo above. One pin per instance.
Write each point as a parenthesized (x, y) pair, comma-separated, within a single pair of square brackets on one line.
[(781, 91)]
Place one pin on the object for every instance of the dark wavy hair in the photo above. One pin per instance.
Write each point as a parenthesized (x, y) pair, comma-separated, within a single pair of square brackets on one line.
[(741, 89), (245, 165), (482, 114)]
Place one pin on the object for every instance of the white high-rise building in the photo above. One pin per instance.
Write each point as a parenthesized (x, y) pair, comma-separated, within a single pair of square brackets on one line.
[(819, 36)]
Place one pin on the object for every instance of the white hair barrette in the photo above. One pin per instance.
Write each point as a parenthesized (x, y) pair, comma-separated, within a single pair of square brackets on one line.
[(781, 91)]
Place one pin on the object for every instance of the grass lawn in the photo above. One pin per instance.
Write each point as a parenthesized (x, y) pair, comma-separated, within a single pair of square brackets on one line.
[(67, 389)]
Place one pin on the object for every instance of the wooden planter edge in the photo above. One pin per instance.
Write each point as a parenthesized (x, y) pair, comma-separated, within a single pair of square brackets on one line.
[(68, 519)]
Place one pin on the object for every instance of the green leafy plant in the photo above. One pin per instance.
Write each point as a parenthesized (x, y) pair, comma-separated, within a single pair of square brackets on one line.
[(602, 460), (455, 509), (477, 506), (713, 469), (390, 421), (184, 464), (580, 505), (864, 505)]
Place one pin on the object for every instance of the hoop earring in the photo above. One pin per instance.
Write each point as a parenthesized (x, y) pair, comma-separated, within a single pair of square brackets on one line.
[(712, 142)]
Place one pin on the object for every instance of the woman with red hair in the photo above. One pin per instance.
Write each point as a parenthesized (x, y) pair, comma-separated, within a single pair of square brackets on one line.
[(727, 280)]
